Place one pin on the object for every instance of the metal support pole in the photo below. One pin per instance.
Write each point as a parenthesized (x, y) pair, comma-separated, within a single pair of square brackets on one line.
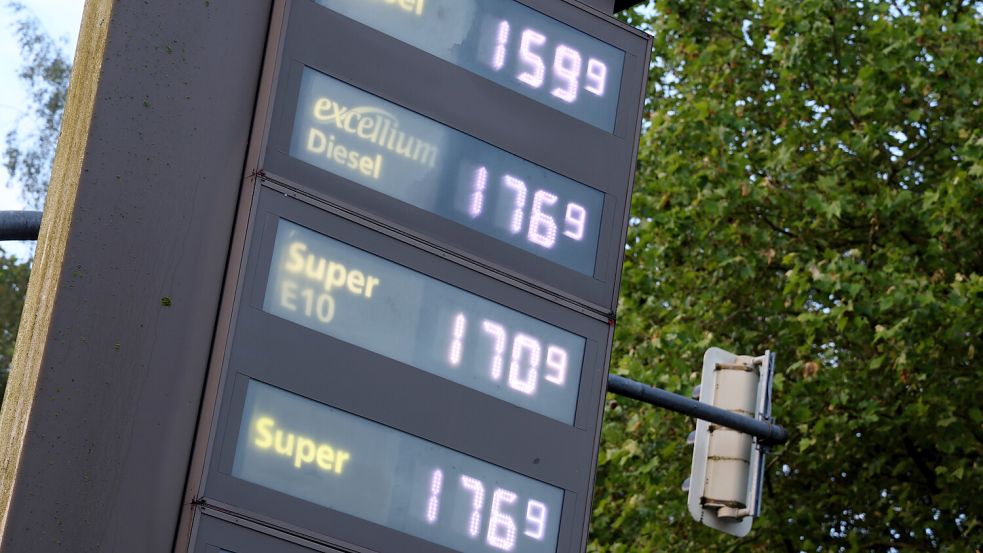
[(768, 433), (19, 225)]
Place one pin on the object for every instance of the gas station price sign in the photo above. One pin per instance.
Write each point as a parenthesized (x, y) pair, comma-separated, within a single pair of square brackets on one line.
[(508, 43), (414, 341), (379, 145), (344, 462), (373, 303)]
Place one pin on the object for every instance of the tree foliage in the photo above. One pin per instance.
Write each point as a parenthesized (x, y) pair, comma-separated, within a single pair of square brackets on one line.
[(13, 287), (45, 70), (810, 181)]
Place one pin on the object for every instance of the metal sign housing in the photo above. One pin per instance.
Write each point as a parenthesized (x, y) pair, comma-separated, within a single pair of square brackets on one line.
[(353, 128)]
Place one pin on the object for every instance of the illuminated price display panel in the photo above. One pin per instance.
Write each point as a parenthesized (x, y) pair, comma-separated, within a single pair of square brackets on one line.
[(380, 395), (508, 43), (382, 146), (370, 471), (504, 181), (367, 301)]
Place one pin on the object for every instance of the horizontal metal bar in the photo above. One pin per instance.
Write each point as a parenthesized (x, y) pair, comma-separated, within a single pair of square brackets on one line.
[(20, 225), (768, 433)]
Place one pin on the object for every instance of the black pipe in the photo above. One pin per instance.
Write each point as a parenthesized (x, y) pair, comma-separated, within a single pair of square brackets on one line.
[(20, 225), (768, 433)]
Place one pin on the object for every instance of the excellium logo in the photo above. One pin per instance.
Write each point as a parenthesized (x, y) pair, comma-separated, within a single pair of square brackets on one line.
[(370, 124)]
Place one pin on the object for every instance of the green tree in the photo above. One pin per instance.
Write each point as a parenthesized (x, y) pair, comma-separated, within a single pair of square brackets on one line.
[(13, 286), (810, 181)]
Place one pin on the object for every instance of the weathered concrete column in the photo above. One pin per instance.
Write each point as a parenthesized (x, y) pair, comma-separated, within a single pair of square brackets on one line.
[(98, 424)]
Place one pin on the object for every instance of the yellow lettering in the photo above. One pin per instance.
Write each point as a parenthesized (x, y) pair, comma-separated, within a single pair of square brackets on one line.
[(330, 274), (365, 125), (288, 295), (321, 107), (365, 166), (295, 254), (370, 285), (339, 153), (340, 461), (283, 446), (336, 276), (325, 456), (355, 282), (316, 141), (263, 427), (378, 166), (411, 6), (349, 120), (352, 160), (304, 452)]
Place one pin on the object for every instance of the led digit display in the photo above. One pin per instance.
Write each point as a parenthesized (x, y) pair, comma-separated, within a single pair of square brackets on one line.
[(344, 462), (509, 44), (384, 307), (397, 152)]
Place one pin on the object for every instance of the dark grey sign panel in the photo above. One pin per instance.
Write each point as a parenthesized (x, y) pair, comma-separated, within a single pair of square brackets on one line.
[(500, 179), (218, 535), (415, 350), (418, 432)]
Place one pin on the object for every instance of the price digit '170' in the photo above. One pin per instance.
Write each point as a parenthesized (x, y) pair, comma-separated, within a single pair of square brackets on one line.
[(525, 358)]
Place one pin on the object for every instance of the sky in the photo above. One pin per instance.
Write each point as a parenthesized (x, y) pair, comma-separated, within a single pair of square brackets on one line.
[(61, 19)]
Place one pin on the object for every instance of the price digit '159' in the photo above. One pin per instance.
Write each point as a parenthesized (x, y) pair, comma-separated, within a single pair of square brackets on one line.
[(566, 63)]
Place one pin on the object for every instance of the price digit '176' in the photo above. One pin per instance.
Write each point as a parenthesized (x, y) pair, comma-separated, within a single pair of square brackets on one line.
[(542, 226), (502, 531)]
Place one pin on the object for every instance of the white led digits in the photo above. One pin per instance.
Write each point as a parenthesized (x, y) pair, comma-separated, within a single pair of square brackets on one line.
[(525, 360), (433, 505), (576, 217), (478, 192), (501, 527), (536, 515), (530, 347), (597, 74), (501, 41), (542, 227), (457, 342), (566, 73), (567, 66), (515, 223), (556, 365), (477, 490), (535, 69), (497, 333)]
